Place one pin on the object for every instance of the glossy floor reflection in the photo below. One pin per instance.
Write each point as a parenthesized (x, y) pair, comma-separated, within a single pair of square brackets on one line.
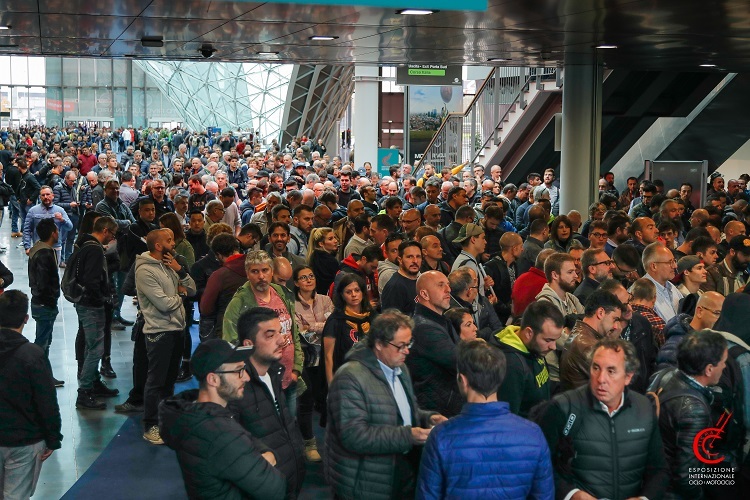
[(85, 433)]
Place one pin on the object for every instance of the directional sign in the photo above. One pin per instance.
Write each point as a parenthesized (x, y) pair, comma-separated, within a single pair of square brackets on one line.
[(428, 74)]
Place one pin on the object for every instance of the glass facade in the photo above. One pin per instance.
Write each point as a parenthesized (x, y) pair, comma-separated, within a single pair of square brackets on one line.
[(59, 91)]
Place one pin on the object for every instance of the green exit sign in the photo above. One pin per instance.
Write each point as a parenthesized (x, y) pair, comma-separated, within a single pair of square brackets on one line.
[(426, 72)]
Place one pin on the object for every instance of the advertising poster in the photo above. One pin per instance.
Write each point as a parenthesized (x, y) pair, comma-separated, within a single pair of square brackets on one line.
[(428, 107)]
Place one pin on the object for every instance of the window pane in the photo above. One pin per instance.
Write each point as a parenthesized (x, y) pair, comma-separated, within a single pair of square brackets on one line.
[(37, 74)]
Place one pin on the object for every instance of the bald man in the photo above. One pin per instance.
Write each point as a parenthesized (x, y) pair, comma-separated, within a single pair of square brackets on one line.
[(432, 255), (707, 311), (432, 217), (731, 229), (282, 271), (432, 358), (503, 269)]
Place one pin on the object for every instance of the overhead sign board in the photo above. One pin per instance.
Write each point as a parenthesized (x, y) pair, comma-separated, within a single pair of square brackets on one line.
[(476, 5), (428, 74)]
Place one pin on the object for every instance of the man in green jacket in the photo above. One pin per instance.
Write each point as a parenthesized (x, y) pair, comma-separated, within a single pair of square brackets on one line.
[(527, 378), (261, 291)]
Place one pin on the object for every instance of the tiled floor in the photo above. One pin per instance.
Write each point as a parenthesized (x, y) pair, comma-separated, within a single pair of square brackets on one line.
[(86, 434)]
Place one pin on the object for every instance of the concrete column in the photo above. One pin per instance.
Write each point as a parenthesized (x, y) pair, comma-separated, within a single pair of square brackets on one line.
[(581, 131), (365, 115)]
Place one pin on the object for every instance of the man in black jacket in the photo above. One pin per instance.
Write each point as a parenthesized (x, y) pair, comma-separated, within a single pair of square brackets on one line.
[(432, 362), (604, 440), (28, 190), (44, 284), (685, 399), (597, 266), (218, 458), (29, 413), (91, 272), (263, 410)]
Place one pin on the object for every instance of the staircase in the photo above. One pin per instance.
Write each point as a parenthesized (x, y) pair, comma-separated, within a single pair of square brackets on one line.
[(497, 119)]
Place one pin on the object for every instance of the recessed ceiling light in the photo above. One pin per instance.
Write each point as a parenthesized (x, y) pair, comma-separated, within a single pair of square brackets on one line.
[(498, 59), (707, 65), (415, 12), (323, 38), (267, 53), (606, 46), (5, 27)]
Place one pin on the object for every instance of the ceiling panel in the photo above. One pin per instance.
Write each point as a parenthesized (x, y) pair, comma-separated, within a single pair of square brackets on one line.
[(664, 34)]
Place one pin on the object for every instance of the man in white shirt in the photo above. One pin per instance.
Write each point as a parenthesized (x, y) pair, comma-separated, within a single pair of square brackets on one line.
[(661, 266)]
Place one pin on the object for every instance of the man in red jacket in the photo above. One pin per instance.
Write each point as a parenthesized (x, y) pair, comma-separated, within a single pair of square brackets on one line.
[(529, 284)]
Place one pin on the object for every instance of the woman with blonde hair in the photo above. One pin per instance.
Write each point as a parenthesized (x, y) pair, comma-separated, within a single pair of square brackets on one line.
[(321, 257)]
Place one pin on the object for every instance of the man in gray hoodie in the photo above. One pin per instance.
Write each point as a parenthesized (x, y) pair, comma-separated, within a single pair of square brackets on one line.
[(161, 282)]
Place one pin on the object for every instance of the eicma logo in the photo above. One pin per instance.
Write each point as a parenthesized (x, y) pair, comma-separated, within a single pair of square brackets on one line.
[(704, 441)]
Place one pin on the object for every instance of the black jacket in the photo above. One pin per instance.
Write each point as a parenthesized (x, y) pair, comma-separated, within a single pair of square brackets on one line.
[(608, 457), (674, 332), (639, 333), (43, 278), (28, 402), (432, 363), (218, 458), (276, 428), (685, 410), (92, 272), (6, 275), (586, 288), (497, 269), (28, 189), (202, 270), (198, 241)]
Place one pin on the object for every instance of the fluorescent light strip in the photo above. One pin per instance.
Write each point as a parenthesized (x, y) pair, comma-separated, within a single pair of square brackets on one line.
[(415, 12)]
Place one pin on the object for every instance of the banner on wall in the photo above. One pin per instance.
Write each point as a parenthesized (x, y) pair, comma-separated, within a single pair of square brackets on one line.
[(428, 107), (386, 158)]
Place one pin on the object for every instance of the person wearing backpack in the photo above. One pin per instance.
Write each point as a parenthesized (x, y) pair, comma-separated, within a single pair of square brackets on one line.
[(684, 398), (89, 269)]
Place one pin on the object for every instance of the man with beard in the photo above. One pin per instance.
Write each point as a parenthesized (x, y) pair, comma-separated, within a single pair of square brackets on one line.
[(45, 210), (602, 316), (161, 283), (728, 275), (401, 289), (527, 378), (670, 210), (278, 235), (263, 410), (216, 455), (432, 255)]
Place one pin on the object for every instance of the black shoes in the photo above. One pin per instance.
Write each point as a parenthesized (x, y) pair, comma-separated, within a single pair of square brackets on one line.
[(58, 383), (128, 407), (122, 321), (185, 373), (87, 401), (106, 369), (101, 390)]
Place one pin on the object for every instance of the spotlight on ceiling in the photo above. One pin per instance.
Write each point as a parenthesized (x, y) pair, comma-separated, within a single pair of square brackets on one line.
[(323, 38), (606, 46), (708, 65), (207, 51), (152, 41), (415, 12), (5, 27), (498, 59), (267, 53)]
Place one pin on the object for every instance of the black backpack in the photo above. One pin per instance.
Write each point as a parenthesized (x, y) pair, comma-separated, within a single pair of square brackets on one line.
[(729, 396), (70, 286)]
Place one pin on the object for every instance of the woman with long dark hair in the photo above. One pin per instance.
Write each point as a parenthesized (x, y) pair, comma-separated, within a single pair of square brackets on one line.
[(348, 324), (560, 234), (312, 310)]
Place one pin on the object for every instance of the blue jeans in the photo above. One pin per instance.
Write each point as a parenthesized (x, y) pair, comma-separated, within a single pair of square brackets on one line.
[(23, 210), (15, 213), (45, 323), (19, 470), (67, 238), (291, 399), (92, 321)]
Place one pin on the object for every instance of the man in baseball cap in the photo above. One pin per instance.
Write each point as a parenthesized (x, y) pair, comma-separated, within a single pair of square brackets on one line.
[(218, 457), (473, 244)]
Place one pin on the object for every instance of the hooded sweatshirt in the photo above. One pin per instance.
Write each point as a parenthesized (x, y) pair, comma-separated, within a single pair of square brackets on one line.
[(159, 301), (218, 458), (43, 278), (526, 377)]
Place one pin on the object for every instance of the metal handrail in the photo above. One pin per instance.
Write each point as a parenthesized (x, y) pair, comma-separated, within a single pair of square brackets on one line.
[(463, 136)]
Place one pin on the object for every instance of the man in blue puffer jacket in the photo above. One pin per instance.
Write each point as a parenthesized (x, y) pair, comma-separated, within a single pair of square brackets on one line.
[(486, 451)]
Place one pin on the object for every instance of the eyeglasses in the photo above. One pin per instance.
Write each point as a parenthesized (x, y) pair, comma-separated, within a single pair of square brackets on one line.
[(605, 262), (598, 235), (670, 262), (403, 347), (238, 371), (712, 311), (404, 221), (307, 277)]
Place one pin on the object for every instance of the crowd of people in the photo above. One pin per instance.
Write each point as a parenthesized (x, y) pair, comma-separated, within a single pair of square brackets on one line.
[(456, 334)]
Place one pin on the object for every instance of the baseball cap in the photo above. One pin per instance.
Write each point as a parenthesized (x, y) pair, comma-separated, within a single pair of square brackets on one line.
[(740, 243), (213, 353), (687, 263), (468, 231)]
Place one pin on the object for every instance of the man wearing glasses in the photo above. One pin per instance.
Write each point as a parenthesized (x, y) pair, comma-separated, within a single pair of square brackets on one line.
[(375, 422), (218, 458), (597, 266), (161, 201), (661, 267)]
